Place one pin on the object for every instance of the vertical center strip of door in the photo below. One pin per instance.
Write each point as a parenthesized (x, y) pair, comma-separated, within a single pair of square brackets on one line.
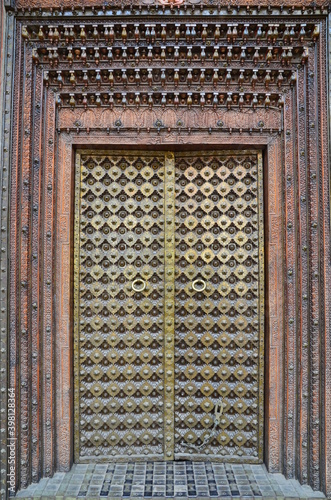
[(169, 312)]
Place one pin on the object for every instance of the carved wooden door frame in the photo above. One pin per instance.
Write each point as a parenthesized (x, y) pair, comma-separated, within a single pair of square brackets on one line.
[(41, 131)]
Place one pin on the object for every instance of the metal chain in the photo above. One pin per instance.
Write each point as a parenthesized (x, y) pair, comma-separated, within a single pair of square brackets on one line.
[(208, 437)]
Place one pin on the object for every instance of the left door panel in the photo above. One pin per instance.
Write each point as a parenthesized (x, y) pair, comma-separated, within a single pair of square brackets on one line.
[(119, 305)]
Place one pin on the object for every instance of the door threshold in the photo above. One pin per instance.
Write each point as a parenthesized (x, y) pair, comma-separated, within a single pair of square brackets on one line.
[(168, 480)]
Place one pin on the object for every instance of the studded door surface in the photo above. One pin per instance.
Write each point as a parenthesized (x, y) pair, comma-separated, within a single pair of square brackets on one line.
[(219, 306), (119, 305), (169, 306)]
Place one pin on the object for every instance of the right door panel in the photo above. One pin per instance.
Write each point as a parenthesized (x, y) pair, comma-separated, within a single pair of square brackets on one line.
[(219, 297)]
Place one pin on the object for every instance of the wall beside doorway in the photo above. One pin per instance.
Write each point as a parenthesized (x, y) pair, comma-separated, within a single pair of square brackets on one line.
[(269, 93)]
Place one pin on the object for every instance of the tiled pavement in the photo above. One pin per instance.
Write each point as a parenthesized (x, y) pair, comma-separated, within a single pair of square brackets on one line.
[(168, 480)]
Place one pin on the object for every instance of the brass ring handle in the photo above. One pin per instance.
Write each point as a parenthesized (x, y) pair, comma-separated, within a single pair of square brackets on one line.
[(199, 285), (138, 285)]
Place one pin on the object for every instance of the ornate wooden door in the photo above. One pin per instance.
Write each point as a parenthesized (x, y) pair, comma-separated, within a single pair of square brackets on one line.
[(169, 305), (218, 305)]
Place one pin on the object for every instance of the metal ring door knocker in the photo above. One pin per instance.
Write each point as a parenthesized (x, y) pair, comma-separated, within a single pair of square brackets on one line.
[(199, 285), (138, 285)]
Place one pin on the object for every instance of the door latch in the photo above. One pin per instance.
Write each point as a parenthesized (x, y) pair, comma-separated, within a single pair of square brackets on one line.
[(218, 413)]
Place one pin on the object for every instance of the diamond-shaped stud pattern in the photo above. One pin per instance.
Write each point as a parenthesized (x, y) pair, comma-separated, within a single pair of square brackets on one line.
[(121, 330), (217, 346), (168, 300)]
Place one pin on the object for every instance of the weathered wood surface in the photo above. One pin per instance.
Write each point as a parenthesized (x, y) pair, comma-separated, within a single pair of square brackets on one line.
[(51, 118)]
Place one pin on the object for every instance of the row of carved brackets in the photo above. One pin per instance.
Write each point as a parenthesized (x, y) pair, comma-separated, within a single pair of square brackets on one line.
[(189, 7), (125, 33)]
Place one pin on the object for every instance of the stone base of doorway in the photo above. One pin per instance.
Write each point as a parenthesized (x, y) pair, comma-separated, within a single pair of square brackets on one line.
[(168, 480)]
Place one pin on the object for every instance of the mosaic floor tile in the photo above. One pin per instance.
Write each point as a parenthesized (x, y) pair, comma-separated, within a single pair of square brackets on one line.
[(169, 480)]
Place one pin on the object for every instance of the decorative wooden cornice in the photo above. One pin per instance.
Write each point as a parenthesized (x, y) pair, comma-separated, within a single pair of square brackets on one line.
[(181, 32), (74, 8), (129, 63)]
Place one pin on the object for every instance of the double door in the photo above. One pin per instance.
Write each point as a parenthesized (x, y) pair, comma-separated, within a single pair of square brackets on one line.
[(168, 300)]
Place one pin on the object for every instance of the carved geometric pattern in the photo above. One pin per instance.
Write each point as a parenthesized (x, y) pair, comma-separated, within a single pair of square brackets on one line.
[(121, 330), (218, 353)]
